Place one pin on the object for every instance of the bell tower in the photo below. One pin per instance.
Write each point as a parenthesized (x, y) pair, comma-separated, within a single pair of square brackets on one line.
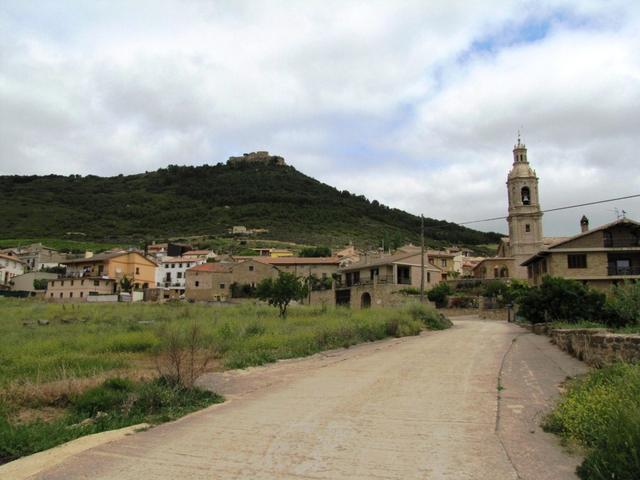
[(525, 217)]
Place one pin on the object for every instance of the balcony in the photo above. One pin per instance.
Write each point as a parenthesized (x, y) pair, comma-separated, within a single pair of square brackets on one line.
[(360, 282), (622, 271)]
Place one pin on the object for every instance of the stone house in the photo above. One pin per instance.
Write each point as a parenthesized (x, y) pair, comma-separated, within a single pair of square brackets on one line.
[(212, 282), (11, 266), (374, 280), (116, 265), (599, 258), (25, 282), (37, 256), (321, 267), (74, 289)]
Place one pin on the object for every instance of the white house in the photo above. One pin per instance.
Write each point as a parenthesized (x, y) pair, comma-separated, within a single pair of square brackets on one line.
[(10, 267), (171, 271)]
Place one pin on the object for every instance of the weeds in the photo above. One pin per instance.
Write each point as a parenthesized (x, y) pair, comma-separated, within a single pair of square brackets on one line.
[(602, 413)]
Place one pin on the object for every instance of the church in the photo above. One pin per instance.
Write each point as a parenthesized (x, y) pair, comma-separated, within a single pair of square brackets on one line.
[(525, 223)]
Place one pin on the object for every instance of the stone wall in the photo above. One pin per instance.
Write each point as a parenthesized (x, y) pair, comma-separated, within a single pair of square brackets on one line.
[(597, 347)]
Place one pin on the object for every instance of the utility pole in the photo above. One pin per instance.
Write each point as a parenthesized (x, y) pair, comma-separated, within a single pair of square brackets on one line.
[(422, 258)]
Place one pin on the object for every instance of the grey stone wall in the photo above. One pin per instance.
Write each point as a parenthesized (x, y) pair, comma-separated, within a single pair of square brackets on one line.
[(597, 347)]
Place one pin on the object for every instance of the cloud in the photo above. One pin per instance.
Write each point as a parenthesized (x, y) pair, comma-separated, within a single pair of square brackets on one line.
[(412, 103)]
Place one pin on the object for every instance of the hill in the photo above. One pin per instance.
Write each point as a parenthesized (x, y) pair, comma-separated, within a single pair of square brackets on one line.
[(206, 200)]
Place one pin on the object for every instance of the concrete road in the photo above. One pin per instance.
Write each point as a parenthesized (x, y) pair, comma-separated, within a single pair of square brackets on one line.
[(420, 407)]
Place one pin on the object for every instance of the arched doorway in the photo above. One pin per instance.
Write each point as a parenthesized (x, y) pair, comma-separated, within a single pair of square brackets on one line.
[(365, 300)]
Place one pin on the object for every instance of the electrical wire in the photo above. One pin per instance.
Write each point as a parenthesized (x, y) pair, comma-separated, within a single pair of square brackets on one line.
[(557, 208)]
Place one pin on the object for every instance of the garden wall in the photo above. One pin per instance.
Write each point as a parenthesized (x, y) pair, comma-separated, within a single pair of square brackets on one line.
[(597, 347)]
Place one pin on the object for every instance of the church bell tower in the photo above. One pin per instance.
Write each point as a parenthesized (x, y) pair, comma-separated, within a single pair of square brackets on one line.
[(525, 217)]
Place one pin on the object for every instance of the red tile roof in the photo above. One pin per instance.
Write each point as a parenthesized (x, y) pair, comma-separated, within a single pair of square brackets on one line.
[(297, 260), (212, 267)]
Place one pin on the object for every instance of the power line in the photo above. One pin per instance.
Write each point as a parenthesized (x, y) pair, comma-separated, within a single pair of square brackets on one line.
[(556, 209)]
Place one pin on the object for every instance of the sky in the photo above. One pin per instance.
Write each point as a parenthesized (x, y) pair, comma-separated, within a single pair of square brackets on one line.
[(416, 104)]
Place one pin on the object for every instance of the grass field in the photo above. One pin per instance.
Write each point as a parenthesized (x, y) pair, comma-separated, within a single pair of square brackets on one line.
[(56, 358)]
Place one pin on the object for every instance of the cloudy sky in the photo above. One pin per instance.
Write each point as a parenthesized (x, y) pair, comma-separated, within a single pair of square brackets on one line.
[(413, 103)]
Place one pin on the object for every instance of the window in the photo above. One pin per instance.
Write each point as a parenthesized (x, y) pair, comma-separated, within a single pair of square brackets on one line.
[(96, 283), (526, 196), (81, 294), (72, 283), (62, 283), (81, 282), (70, 294), (51, 294), (577, 261), (53, 283), (60, 294), (251, 268), (179, 275), (428, 277), (197, 283), (173, 265), (222, 286), (137, 270), (180, 266), (527, 228), (443, 262), (166, 265)]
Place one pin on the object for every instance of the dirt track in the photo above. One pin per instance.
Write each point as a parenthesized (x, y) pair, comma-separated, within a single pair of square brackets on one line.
[(418, 407)]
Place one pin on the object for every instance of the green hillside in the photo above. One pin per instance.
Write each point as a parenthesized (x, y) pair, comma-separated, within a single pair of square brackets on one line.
[(207, 200)]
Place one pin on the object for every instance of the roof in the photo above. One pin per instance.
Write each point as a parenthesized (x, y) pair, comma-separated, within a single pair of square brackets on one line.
[(387, 260), (213, 267), (296, 260), (101, 257), (9, 257), (177, 259), (196, 252), (541, 253), (106, 279)]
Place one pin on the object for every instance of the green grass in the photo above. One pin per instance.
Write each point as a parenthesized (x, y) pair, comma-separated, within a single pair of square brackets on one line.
[(57, 365), (117, 403), (82, 340), (601, 412)]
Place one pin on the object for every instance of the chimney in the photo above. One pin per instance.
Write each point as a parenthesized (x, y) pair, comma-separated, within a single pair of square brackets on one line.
[(584, 224), (88, 254)]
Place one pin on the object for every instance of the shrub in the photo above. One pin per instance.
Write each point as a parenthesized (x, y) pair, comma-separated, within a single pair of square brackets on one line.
[(559, 299), (463, 301), (439, 294), (429, 317), (623, 306), (495, 289), (602, 413), (111, 395)]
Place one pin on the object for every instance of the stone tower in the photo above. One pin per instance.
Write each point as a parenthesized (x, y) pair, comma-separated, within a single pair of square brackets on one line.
[(525, 217)]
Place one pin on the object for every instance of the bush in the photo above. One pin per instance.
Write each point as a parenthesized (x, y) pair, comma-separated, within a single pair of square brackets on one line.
[(559, 299), (439, 294), (112, 395), (463, 301), (623, 306), (429, 317), (602, 413)]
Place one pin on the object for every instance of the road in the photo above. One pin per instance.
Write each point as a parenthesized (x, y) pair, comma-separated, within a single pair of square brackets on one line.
[(418, 407)]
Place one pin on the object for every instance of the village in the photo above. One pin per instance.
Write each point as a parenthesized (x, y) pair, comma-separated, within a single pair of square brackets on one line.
[(171, 271)]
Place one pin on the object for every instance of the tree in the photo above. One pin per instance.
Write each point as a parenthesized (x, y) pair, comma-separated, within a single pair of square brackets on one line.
[(316, 252), (126, 284), (439, 294), (281, 291)]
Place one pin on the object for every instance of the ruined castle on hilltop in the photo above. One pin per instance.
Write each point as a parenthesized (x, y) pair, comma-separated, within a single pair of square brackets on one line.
[(257, 157)]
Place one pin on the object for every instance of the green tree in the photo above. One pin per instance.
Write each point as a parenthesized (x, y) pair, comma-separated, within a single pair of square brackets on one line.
[(126, 284), (315, 252), (281, 291), (439, 294)]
